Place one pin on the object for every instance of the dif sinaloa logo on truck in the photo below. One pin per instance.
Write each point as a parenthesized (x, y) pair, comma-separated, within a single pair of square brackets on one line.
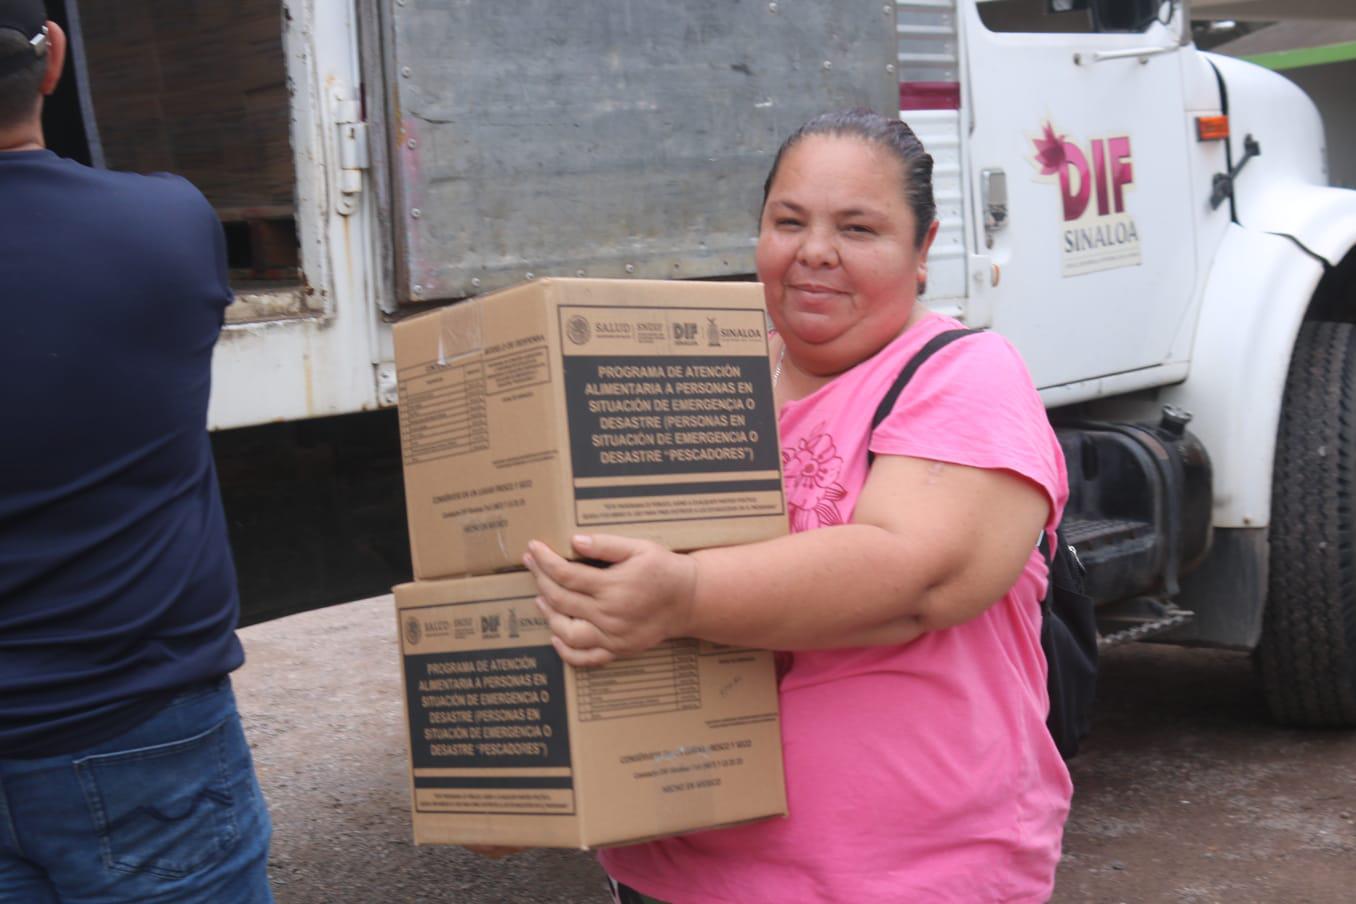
[(1093, 178)]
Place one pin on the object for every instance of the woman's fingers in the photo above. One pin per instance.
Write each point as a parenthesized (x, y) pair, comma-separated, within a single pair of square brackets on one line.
[(576, 632), (590, 658), (598, 613), (607, 547), (542, 559), (547, 568), (578, 640)]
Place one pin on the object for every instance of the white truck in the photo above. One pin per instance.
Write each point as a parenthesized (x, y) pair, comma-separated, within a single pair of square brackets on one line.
[(1148, 223)]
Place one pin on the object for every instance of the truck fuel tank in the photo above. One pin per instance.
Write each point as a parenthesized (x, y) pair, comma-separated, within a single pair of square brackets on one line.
[(1139, 503)]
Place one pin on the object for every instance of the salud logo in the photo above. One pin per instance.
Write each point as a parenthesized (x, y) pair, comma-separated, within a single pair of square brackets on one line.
[(1098, 232), (577, 328), (413, 633)]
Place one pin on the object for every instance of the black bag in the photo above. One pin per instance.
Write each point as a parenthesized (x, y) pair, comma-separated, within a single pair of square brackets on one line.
[(1069, 641), (1068, 623)]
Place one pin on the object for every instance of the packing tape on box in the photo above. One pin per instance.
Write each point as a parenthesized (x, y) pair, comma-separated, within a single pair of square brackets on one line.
[(460, 331), (485, 537)]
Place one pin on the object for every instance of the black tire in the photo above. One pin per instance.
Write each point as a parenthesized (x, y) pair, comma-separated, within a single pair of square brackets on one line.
[(1308, 649)]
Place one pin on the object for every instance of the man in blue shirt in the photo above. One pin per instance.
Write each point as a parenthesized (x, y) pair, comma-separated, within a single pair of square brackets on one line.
[(124, 773)]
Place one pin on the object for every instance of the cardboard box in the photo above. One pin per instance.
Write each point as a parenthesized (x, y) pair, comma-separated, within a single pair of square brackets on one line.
[(633, 407), (508, 745)]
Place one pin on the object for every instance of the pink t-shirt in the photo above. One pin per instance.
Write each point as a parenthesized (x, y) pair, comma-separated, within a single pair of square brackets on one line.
[(922, 772)]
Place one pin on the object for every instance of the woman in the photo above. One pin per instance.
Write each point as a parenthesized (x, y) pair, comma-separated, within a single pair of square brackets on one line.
[(918, 764)]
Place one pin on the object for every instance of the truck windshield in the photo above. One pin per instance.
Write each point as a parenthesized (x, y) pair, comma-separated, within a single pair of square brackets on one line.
[(1072, 16)]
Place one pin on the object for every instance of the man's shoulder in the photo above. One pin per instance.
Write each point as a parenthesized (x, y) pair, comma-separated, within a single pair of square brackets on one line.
[(164, 186), (126, 217), (73, 178), (162, 209)]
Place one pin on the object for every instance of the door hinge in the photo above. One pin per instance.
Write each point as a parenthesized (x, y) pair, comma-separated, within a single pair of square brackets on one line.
[(353, 156), (981, 296), (388, 391)]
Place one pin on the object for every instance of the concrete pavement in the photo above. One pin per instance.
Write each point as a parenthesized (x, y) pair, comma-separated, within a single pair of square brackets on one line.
[(1185, 792)]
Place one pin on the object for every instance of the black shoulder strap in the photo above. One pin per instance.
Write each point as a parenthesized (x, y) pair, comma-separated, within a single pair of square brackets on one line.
[(934, 345)]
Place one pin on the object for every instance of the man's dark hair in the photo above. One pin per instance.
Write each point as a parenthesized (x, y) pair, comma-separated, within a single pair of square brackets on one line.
[(19, 88), (888, 133)]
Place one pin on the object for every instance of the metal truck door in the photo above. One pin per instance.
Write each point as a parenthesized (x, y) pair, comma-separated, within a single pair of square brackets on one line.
[(1079, 167), (620, 138)]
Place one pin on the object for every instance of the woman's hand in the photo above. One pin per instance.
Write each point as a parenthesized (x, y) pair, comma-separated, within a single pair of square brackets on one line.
[(598, 614)]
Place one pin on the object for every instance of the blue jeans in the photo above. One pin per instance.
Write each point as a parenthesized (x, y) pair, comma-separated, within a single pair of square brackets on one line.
[(167, 812)]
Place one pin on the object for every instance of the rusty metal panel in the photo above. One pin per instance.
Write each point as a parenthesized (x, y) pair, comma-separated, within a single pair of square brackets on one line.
[(610, 138)]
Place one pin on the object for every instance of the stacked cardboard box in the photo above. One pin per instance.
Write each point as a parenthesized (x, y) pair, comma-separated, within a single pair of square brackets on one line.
[(628, 407)]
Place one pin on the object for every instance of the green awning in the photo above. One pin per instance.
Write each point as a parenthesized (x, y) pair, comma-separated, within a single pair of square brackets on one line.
[(1290, 45), (1306, 56), (1273, 10)]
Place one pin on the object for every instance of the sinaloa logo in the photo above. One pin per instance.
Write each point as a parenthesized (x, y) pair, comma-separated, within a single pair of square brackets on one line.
[(413, 633), (1098, 231)]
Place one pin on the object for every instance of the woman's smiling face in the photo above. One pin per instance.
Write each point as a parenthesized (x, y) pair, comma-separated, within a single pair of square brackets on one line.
[(836, 251)]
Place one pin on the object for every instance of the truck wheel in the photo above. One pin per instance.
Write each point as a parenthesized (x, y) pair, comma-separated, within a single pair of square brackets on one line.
[(1308, 648)]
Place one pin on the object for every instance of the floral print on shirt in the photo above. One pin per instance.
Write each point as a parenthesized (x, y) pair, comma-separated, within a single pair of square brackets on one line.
[(812, 468)]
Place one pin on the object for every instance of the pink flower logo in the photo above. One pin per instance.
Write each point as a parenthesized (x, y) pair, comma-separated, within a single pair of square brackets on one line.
[(812, 486), (1051, 151)]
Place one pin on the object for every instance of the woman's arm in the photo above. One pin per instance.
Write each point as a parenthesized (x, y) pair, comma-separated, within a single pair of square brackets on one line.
[(931, 545)]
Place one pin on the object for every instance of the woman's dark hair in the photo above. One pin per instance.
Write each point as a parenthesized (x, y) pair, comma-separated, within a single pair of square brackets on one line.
[(887, 133)]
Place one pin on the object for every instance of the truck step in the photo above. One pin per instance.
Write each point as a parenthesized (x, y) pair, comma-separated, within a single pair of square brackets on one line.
[(1117, 554), (1126, 621), (1092, 534)]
